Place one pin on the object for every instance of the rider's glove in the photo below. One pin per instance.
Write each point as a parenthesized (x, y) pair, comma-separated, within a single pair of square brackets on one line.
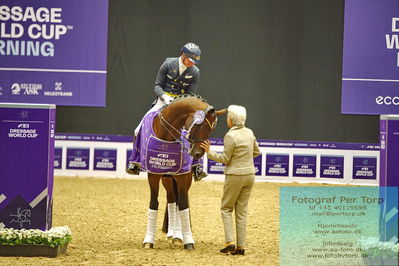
[(166, 98)]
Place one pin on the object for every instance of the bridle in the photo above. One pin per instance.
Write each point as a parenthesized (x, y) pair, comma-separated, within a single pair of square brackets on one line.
[(192, 137)]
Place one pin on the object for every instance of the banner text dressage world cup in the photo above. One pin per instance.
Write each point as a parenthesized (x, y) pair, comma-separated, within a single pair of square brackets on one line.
[(392, 40), (30, 31), (53, 52)]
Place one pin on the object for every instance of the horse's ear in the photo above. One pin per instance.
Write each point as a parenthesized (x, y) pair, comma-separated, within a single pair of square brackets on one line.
[(221, 112), (210, 110)]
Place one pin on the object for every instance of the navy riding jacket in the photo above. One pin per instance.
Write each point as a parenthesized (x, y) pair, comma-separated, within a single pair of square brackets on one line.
[(168, 78)]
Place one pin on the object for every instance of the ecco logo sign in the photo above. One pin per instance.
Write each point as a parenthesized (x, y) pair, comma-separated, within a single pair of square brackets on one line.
[(387, 100)]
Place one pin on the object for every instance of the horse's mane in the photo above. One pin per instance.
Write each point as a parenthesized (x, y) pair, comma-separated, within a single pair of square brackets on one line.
[(188, 96)]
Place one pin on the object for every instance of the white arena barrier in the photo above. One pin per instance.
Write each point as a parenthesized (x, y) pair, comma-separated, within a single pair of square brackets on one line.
[(280, 161)]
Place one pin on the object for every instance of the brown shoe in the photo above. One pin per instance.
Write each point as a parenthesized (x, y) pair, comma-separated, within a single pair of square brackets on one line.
[(228, 248), (238, 251)]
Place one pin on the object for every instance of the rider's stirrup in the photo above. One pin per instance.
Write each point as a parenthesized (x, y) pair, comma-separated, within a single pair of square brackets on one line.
[(198, 173), (133, 168)]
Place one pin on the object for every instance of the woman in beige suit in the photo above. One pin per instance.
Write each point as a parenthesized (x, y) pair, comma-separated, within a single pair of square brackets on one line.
[(240, 147)]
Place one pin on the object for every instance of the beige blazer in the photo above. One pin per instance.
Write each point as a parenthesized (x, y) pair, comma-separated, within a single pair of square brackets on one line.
[(240, 147)]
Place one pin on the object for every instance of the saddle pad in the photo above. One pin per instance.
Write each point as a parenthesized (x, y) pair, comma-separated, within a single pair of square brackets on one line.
[(159, 156)]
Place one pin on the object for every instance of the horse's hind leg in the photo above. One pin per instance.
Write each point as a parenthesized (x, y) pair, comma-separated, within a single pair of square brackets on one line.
[(149, 239), (183, 184)]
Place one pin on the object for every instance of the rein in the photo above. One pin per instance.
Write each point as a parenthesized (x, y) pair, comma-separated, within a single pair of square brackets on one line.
[(199, 118), (163, 120), (179, 140)]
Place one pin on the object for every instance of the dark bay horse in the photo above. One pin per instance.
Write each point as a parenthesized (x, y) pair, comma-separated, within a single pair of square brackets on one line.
[(188, 120)]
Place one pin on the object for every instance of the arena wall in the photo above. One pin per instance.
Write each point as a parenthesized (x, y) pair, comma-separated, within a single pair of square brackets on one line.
[(107, 155)]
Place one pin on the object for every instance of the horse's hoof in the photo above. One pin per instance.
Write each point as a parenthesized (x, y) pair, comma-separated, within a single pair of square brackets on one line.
[(177, 242), (148, 245), (189, 246)]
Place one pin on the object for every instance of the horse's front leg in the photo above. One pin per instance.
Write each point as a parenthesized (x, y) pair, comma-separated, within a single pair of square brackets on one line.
[(172, 224), (149, 239), (183, 185)]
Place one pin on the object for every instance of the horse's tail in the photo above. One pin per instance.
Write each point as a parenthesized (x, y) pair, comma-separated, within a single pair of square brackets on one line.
[(165, 223)]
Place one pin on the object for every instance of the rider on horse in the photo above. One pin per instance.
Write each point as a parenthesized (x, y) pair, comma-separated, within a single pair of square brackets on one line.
[(176, 76)]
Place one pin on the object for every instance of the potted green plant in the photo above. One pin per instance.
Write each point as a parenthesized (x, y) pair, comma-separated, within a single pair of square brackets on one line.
[(34, 242), (376, 252)]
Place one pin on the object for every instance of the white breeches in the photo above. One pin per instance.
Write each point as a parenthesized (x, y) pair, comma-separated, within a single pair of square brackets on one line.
[(157, 106)]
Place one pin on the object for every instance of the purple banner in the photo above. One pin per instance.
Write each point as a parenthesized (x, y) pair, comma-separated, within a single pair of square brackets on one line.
[(389, 175), (332, 166), (219, 142), (26, 165), (258, 164), (304, 166), (277, 164), (78, 158), (389, 155), (218, 168), (53, 51), (94, 137), (370, 83), (364, 167), (105, 159), (57, 158), (215, 167), (128, 153), (310, 144)]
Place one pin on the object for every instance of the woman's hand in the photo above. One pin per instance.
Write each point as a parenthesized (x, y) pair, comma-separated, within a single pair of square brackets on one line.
[(205, 145)]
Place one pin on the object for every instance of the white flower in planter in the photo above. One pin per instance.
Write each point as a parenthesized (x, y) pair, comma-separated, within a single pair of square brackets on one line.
[(372, 247), (56, 236)]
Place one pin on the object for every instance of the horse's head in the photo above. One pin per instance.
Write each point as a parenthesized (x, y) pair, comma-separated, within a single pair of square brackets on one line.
[(190, 116), (201, 128), (199, 125)]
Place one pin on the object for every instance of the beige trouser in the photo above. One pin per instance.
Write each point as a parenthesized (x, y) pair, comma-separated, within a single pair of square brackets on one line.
[(236, 192)]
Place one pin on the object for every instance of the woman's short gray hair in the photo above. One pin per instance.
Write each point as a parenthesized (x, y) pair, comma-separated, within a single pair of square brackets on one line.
[(237, 114)]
